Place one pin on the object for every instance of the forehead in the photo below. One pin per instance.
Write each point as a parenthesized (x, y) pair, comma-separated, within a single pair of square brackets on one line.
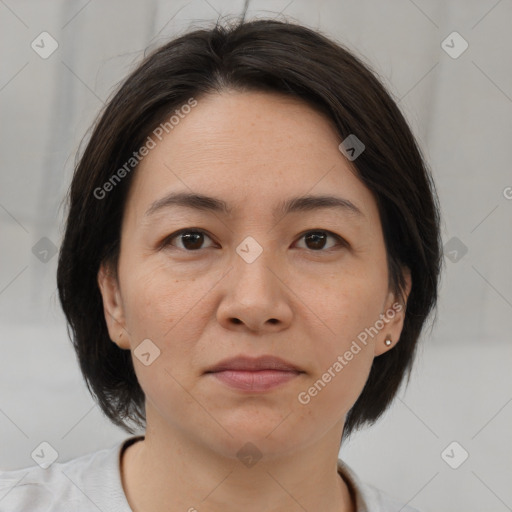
[(253, 150)]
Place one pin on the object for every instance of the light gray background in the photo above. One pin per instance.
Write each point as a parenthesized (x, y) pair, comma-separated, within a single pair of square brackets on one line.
[(460, 109)]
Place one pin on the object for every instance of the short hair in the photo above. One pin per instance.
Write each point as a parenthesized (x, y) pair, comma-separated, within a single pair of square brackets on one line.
[(261, 55)]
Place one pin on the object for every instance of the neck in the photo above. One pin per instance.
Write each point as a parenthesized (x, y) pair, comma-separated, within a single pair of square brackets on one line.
[(160, 470)]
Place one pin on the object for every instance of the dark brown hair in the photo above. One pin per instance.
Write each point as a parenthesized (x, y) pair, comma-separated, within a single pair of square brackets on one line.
[(262, 55)]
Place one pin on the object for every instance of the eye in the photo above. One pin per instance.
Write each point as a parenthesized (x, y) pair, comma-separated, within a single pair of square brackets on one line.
[(315, 240), (191, 239)]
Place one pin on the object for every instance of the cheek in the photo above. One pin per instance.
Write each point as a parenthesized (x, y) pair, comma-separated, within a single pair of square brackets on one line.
[(168, 310), (348, 309), (347, 305), (342, 358), (331, 393), (154, 299)]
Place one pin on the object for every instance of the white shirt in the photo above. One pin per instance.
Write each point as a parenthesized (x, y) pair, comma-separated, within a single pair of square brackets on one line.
[(92, 483)]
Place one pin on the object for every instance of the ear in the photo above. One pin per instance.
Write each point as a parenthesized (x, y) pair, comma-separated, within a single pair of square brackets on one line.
[(113, 306), (394, 314)]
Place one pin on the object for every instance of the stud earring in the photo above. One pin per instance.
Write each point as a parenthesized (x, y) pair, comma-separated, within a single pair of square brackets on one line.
[(388, 342)]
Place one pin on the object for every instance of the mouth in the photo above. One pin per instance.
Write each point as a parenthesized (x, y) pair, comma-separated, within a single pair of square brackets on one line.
[(254, 374)]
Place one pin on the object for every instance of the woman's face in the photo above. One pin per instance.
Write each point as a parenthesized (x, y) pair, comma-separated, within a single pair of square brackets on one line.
[(257, 280)]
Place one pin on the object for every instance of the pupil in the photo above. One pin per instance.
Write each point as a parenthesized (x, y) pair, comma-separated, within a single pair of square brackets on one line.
[(317, 238), (195, 238)]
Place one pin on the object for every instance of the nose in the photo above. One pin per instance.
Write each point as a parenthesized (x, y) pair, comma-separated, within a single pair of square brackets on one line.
[(255, 296)]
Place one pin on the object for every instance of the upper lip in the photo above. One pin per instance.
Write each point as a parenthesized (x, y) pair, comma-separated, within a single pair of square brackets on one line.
[(246, 363)]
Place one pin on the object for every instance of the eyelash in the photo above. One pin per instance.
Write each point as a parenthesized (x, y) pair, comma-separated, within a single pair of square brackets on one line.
[(339, 239)]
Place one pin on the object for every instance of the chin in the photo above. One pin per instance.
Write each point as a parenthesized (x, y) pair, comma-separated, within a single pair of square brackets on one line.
[(268, 437)]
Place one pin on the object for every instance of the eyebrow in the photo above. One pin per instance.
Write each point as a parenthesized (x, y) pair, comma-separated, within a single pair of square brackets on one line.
[(212, 204)]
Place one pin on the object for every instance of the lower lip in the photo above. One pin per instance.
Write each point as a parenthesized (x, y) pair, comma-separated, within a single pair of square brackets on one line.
[(254, 381)]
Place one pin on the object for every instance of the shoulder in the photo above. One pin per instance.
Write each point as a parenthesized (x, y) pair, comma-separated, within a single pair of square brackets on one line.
[(87, 482), (369, 498), (378, 500)]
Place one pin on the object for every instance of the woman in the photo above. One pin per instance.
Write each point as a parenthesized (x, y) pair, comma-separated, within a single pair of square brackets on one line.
[(251, 253)]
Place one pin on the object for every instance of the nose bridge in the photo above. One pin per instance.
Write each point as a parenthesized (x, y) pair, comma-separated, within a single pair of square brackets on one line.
[(253, 283), (252, 260), (255, 226)]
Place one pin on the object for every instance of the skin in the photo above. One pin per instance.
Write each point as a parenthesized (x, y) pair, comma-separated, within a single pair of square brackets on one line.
[(199, 307)]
